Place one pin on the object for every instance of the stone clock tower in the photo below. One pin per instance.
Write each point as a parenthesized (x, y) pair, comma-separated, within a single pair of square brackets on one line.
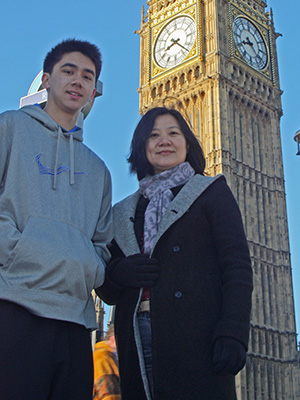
[(216, 61)]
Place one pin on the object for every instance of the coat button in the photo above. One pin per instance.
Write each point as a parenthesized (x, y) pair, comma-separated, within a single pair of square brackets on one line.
[(178, 294), (176, 248)]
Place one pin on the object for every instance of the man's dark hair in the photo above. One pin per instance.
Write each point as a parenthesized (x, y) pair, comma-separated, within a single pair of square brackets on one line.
[(137, 156), (68, 46)]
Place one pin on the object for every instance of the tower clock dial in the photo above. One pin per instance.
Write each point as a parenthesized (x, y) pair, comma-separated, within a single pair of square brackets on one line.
[(175, 41), (250, 43)]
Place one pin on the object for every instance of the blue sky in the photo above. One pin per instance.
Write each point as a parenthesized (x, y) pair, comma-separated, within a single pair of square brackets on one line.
[(29, 29)]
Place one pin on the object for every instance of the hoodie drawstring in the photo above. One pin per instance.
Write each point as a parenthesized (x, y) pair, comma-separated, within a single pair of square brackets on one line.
[(72, 168), (72, 162), (56, 158)]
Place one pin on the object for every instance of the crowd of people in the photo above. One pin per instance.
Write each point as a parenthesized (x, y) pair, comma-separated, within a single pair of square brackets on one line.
[(172, 257)]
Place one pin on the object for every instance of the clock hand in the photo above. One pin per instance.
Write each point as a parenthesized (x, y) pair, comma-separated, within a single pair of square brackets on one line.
[(182, 46), (251, 44), (168, 48), (247, 42), (174, 41)]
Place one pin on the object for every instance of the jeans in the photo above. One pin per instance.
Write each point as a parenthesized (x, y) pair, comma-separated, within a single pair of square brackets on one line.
[(144, 321)]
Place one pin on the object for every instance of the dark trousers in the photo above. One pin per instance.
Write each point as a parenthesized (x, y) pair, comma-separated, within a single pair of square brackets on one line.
[(43, 359)]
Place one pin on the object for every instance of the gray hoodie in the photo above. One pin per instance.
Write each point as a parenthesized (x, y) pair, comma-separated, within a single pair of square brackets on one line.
[(55, 217)]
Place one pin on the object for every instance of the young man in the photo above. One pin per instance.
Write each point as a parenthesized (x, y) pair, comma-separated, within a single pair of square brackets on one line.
[(55, 222)]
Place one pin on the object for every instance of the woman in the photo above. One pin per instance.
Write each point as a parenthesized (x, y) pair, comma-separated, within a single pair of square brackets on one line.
[(180, 274)]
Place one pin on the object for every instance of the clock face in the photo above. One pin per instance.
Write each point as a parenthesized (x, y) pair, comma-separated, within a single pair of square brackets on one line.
[(250, 43), (175, 41)]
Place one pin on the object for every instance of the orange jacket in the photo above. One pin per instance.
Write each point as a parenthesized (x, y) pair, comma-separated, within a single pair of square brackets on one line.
[(106, 373)]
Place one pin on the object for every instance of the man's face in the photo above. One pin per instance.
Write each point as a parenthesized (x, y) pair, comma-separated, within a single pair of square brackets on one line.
[(71, 84)]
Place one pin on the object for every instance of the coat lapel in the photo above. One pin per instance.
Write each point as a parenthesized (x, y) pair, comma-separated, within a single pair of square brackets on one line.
[(182, 202)]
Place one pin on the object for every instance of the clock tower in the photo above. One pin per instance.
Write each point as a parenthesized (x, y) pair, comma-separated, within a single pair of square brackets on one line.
[(216, 62)]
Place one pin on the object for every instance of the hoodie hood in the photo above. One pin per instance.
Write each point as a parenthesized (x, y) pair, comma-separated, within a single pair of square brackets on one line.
[(36, 112)]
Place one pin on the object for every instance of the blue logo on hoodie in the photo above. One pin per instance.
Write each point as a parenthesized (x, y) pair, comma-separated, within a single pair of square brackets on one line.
[(50, 171)]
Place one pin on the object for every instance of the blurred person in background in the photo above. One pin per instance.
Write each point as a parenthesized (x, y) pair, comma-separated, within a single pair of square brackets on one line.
[(106, 372)]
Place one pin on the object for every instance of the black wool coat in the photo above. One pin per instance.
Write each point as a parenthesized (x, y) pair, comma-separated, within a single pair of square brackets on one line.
[(203, 293)]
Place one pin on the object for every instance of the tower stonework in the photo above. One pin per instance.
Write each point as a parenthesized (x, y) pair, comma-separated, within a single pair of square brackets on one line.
[(216, 61)]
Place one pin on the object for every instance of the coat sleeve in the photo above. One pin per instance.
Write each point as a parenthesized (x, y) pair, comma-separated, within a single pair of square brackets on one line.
[(109, 292), (235, 263)]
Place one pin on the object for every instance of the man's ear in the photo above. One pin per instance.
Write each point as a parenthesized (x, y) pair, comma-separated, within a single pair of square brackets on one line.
[(46, 80), (92, 95)]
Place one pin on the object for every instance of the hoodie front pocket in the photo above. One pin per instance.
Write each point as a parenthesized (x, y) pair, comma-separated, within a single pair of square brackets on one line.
[(53, 255)]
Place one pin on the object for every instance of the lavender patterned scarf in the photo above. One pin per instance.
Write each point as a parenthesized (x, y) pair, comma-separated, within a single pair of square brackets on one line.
[(156, 188)]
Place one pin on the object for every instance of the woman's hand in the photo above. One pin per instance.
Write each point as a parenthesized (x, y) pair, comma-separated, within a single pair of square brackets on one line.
[(135, 271), (229, 356)]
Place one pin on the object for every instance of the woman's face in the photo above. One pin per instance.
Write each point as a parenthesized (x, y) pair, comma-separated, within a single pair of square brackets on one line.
[(166, 145)]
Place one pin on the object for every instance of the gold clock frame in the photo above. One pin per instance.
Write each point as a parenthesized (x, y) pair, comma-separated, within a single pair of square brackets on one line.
[(263, 28), (189, 9)]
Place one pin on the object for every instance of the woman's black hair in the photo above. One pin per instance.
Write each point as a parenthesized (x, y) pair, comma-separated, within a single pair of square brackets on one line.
[(137, 156)]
